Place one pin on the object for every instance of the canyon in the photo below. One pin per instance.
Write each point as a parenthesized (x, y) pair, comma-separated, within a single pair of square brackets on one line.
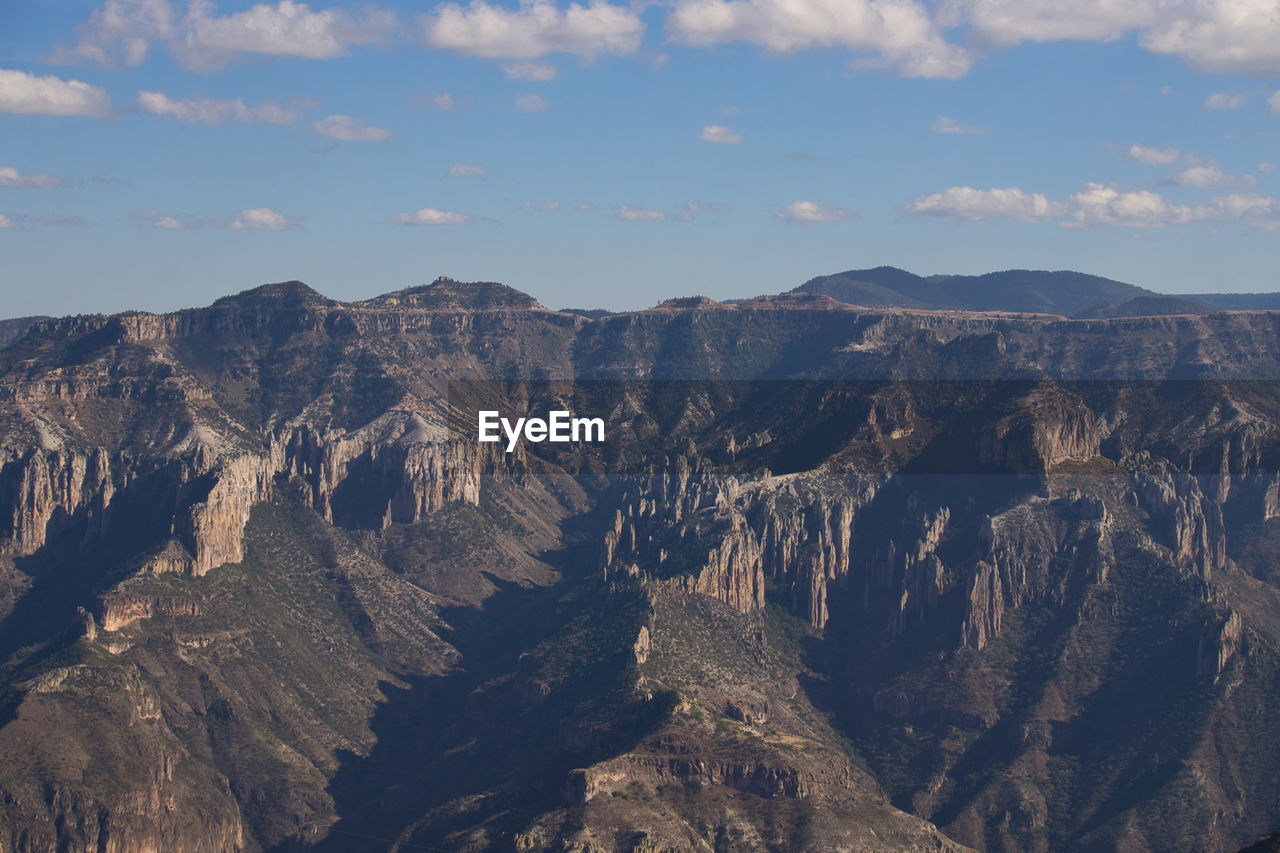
[(841, 576)]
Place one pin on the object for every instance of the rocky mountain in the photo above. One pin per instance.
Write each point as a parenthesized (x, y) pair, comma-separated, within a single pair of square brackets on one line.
[(836, 578)]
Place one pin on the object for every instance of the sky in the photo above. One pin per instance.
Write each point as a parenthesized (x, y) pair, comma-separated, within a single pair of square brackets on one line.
[(159, 154)]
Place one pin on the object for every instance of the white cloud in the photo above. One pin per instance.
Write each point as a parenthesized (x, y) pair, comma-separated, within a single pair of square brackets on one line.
[(1223, 101), (720, 135), (1266, 167), (348, 129), (534, 30), (537, 71), (6, 222), (1101, 204), (972, 204), (431, 216), (1259, 210), (541, 207), (1008, 22), (1274, 103), (584, 207), (626, 213), (809, 211), (1154, 156), (1096, 204), (260, 219), (11, 177), (1210, 177), (121, 32), (1237, 36), (217, 110), (531, 103), (21, 92), (899, 33), (466, 170), (950, 125)]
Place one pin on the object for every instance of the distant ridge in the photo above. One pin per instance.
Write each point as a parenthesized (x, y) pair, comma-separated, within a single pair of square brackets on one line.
[(1146, 306), (1237, 301), (1025, 291), (11, 331)]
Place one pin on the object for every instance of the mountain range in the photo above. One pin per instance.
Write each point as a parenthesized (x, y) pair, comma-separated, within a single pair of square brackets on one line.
[(960, 574)]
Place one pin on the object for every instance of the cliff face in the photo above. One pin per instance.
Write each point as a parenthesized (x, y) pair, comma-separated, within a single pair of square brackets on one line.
[(43, 492), (1004, 555)]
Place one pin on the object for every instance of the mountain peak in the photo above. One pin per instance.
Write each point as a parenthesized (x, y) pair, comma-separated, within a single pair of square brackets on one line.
[(448, 294), (279, 293)]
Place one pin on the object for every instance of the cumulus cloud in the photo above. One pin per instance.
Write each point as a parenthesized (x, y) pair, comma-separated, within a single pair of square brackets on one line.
[(626, 213), (217, 110), (348, 129), (1095, 204), (1274, 103), (809, 211), (895, 33), (1223, 101), (1154, 156), (1237, 36), (1101, 204), (531, 103), (969, 203), (431, 216), (720, 135), (1266, 167), (1209, 177), (21, 92), (950, 125), (11, 177), (121, 32), (541, 207), (466, 170), (534, 30), (261, 219), (6, 222), (539, 72)]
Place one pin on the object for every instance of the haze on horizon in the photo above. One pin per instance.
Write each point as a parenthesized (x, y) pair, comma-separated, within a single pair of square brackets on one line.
[(158, 154)]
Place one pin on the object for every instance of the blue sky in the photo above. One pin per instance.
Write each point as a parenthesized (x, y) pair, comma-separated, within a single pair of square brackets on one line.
[(157, 154)]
